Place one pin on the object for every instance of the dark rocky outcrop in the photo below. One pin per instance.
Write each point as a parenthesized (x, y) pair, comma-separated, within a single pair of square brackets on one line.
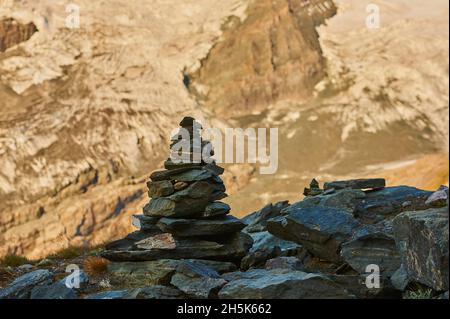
[(56, 290), (276, 39), (197, 280), (22, 287), (321, 230), (369, 248), (12, 33), (281, 284), (257, 221), (339, 242), (422, 239)]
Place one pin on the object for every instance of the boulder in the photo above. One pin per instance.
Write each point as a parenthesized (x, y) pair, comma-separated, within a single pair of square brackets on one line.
[(371, 183), (158, 272), (22, 286), (129, 242), (375, 247), (400, 278), (200, 227), (281, 284), (170, 165), (422, 239), (82, 281), (138, 274), (389, 202), (197, 281), (439, 198), (56, 290), (346, 199), (321, 230)]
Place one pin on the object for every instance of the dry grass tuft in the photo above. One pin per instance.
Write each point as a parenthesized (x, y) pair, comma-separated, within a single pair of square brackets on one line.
[(95, 266), (68, 253), (13, 261)]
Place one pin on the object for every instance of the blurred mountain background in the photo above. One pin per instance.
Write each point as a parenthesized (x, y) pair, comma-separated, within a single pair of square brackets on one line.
[(86, 113)]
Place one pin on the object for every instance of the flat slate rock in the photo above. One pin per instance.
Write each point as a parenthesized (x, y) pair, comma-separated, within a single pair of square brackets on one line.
[(200, 227), (347, 199), (232, 248), (356, 285), (389, 202), (265, 240), (170, 165), (371, 183), (321, 230), (284, 284), (216, 209), (185, 203), (22, 286), (129, 241), (197, 280), (188, 174), (144, 223)]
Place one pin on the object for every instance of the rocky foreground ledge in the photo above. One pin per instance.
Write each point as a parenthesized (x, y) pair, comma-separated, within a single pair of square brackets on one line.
[(325, 246), (349, 239)]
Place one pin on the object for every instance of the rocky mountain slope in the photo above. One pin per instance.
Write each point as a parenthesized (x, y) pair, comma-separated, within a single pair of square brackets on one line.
[(88, 106)]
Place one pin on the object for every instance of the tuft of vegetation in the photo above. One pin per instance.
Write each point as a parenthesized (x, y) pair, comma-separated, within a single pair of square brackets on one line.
[(68, 253), (95, 266), (419, 294), (13, 261)]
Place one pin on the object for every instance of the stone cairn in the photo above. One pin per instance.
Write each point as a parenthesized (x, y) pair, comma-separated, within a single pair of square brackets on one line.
[(185, 218)]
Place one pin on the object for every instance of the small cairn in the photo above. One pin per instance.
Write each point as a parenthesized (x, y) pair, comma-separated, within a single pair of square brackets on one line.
[(314, 189), (185, 218)]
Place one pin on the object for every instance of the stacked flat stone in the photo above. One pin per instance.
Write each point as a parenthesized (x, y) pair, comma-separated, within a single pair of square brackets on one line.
[(185, 217)]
